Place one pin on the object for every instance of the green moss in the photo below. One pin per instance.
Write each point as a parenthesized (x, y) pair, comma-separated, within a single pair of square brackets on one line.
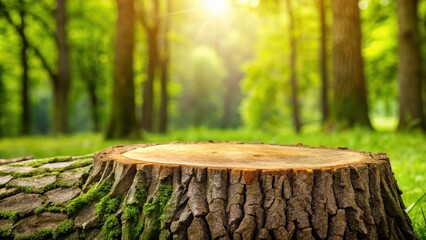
[(111, 227), (96, 192), (63, 228), (8, 215), (31, 189), (6, 233), (132, 214), (107, 209), (35, 172), (79, 163), (159, 203), (42, 161), (55, 208), (107, 205), (155, 210), (40, 209), (38, 235)]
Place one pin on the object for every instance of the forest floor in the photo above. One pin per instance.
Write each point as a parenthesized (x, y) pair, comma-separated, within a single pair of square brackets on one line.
[(407, 152)]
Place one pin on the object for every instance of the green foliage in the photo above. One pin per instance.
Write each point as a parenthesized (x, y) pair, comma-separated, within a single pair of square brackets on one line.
[(2, 102), (266, 86), (381, 59), (96, 192), (201, 100)]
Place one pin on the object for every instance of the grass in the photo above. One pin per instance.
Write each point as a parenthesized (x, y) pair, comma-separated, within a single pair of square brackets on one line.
[(407, 151)]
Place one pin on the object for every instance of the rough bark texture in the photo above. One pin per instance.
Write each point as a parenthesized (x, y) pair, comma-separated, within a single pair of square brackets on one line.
[(293, 68), (131, 199), (122, 123), (323, 60), (164, 71), (151, 25), (410, 70), (25, 93), (350, 97), (61, 84)]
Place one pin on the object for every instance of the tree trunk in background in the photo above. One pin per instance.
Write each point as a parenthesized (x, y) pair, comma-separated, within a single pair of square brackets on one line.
[(62, 82), (94, 103), (323, 58), (148, 85), (230, 114), (350, 97), (164, 70), (293, 69), (122, 122), (2, 101), (25, 95), (410, 70), (152, 29)]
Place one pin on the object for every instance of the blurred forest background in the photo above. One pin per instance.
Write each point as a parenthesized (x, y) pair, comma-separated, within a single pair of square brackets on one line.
[(78, 76), (123, 67)]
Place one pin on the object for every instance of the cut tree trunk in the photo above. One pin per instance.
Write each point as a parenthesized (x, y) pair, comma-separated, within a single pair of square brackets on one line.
[(253, 191), (218, 191)]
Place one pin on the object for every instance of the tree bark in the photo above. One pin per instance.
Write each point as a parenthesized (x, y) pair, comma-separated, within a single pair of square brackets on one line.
[(323, 59), (293, 69), (350, 96), (2, 102), (61, 84), (151, 26), (122, 123), (164, 70), (25, 92), (410, 68), (251, 191), (205, 191)]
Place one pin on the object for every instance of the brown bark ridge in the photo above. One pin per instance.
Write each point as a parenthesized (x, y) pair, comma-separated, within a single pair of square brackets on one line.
[(206, 190)]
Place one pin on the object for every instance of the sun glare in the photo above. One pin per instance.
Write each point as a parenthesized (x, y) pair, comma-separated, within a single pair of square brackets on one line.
[(215, 6)]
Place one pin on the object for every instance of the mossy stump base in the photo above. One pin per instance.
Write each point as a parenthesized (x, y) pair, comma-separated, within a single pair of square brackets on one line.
[(251, 191), (204, 191)]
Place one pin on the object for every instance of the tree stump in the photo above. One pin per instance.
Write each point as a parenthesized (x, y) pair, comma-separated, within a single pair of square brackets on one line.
[(204, 191), (247, 191)]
